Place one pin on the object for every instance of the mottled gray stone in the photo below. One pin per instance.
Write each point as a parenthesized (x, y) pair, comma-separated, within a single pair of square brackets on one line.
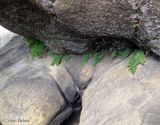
[(82, 75), (148, 16), (36, 99), (65, 82), (13, 52), (119, 98), (30, 20)]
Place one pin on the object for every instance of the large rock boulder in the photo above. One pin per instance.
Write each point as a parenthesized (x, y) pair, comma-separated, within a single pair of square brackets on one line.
[(119, 98), (74, 25), (30, 99), (28, 19)]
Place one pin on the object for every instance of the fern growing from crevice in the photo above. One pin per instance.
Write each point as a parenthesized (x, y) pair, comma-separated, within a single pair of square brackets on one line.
[(37, 47), (124, 53), (58, 58), (86, 58), (114, 53), (138, 57), (97, 57)]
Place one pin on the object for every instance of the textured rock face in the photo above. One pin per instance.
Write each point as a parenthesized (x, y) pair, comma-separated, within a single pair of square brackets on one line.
[(30, 20), (71, 26), (96, 17), (149, 25), (26, 95), (119, 98)]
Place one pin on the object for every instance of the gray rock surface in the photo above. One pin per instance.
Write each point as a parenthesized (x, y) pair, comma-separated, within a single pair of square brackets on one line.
[(33, 90), (119, 98), (28, 19), (149, 25), (30, 99), (81, 75), (74, 25)]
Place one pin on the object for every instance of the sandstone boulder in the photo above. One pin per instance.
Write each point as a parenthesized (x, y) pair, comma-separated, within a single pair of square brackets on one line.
[(119, 98)]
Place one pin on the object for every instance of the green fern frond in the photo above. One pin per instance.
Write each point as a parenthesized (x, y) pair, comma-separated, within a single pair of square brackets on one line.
[(52, 53), (138, 57), (31, 41), (38, 50), (114, 53), (37, 47), (66, 57), (57, 59), (124, 53), (97, 57), (86, 58)]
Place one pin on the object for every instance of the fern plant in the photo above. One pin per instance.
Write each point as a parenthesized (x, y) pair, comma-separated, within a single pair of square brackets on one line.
[(122, 53), (66, 57), (138, 57), (114, 53), (97, 57), (58, 58), (37, 47), (86, 58)]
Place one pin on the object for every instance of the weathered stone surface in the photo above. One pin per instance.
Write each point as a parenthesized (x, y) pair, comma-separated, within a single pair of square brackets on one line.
[(149, 25), (65, 82), (95, 17), (119, 98), (33, 89), (5, 35), (34, 99), (82, 75), (30, 20), (73, 25)]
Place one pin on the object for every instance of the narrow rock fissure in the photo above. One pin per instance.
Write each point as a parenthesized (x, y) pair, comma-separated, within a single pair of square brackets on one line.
[(58, 117)]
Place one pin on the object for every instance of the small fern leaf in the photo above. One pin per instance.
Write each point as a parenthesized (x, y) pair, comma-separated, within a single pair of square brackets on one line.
[(38, 50), (67, 57), (137, 58), (85, 58), (124, 53), (31, 41), (114, 53), (52, 53), (97, 57), (37, 47), (57, 59)]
